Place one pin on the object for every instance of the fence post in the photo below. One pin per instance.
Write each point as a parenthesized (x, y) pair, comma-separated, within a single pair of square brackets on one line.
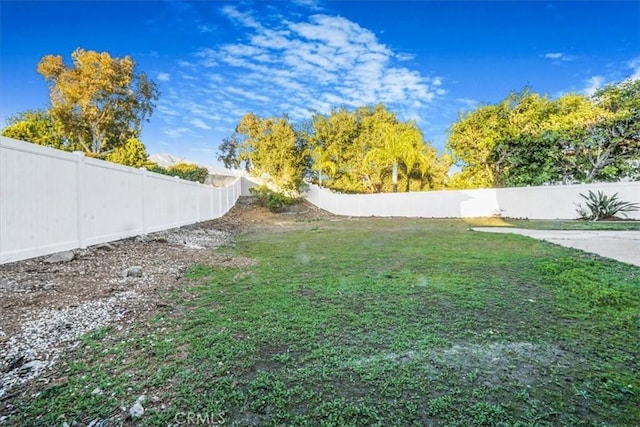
[(211, 203), (177, 201), (81, 179), (143, 198)]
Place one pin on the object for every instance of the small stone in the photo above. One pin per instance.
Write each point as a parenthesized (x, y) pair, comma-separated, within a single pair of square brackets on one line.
[(137, 410), (97, 391), (60, 257), (105, 247), (135, 271)]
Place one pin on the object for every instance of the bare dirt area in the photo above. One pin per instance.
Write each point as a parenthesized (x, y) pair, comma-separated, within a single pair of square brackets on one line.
[(47, 305)]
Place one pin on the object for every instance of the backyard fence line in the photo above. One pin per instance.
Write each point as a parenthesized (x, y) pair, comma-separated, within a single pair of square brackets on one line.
[(543, 202), (52, 200)]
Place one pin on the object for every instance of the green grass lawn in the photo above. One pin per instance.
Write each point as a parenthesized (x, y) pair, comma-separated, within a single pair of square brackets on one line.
[(375, 322)]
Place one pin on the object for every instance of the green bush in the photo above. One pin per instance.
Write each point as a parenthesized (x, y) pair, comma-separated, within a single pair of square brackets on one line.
[(186, 171), (600, 206), (275, 201)]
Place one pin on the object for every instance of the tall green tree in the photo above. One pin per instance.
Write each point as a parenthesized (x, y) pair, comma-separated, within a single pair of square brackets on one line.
[(528, 139), (368, 149), (99, 101), (396, 146), (268, 146), (612, 147), (332, 143)]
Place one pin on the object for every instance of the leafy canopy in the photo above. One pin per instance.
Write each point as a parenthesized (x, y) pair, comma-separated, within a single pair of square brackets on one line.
[(100, 102), (529, 139), (37, 127)]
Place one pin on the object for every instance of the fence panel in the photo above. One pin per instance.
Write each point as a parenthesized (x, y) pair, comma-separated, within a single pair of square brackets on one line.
[(30, 177), (111, 202), (51, 200), (545, 202)]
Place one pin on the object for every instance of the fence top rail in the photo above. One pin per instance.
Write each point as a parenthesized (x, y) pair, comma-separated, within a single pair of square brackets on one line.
[(578, 187), (44, 151)]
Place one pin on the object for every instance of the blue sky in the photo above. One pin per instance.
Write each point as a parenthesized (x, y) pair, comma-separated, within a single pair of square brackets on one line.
[(426, 60)]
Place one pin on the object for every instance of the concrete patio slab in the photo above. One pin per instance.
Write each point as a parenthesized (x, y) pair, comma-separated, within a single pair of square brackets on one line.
[(623, 246)]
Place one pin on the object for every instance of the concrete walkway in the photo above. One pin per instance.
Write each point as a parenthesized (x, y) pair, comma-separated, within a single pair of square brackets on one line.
[(619, 245)]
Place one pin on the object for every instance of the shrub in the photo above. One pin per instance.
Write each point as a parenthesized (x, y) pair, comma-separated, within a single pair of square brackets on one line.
[(275, 201), (600, 206), (186, 171)]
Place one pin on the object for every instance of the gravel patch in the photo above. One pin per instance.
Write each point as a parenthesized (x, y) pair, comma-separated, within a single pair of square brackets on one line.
[(28, 354)]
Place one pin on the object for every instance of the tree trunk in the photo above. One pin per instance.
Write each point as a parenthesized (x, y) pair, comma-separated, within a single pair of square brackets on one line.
[(395, 177)]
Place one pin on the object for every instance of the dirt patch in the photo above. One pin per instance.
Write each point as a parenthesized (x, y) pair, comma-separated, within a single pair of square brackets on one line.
[(46, 307)]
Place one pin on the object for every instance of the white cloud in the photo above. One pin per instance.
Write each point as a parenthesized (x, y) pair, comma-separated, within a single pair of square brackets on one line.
[(200, 124), (205, 28), (468, 103), (164, 109), (404, 56), (592, 84), (186, 64), (164, 77), (295, 66), (247, 94), (312, 4), (322, 62), (177, 132), (242, 18), (558, 57), (634, 64)]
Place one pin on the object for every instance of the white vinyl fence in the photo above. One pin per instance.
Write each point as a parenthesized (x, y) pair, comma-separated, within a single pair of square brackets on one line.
[(52, 200), (546, 202)]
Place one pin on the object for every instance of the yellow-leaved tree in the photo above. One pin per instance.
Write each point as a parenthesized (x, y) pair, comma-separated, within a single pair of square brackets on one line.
[(100, 102)]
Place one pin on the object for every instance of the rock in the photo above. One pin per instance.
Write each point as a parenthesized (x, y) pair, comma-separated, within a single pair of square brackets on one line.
[(135, 271), (105, 247), (60, 257), (99, 423), (175, 272), (48, 286), (97, 391), (34, 365), (137, 410)]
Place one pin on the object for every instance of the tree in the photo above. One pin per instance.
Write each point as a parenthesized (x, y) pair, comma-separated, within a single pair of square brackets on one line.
[(528, 139), (188, 171), (38, 127), (397, 145), (612, 149), (100, 102), (358, 151), (133, 153), (268, 146), (228, 152), (332, 142), (472, 140)]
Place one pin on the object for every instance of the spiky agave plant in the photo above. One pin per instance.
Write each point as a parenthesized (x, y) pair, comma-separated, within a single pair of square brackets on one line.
[(600, 206)]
